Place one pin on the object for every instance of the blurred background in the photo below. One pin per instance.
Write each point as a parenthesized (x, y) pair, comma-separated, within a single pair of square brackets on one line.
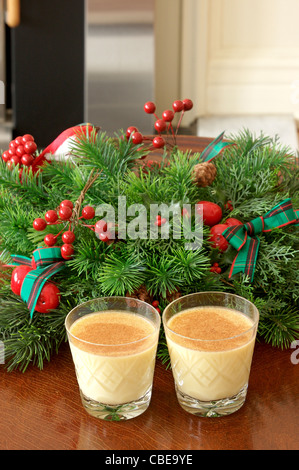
[(72, 61)]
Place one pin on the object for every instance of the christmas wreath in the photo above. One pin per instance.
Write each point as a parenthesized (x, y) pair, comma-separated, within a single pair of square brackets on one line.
[(61, 245)]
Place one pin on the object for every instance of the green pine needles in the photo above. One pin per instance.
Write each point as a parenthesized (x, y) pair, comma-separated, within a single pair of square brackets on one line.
[(254, 174)]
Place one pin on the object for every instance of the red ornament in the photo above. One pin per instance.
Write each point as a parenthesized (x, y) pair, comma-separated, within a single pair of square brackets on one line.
[(49, 298), (88, 212), (150, 107), (211, 213), (17, 278), (39, 224), (231, 221), (51, 216), (68, 237), (216, 238), (67, 251)]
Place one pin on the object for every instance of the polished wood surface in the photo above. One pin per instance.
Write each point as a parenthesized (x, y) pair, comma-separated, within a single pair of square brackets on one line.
[(41, 410)]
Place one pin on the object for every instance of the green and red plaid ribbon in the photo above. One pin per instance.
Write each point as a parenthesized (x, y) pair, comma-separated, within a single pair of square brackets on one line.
[(214, 148), (244, 237), (48, 262)]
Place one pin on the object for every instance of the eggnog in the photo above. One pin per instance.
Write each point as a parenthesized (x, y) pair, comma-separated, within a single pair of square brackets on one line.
[(114, 355), (211, 351)]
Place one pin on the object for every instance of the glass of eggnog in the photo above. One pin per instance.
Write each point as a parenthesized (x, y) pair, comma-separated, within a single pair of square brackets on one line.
[(210, 338), (113, 341)]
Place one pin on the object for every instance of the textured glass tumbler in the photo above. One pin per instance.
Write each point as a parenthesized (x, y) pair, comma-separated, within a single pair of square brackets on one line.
[(115, 377), (211, 375)]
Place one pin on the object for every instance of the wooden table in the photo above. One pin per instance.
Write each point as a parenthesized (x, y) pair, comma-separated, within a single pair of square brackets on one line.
[(42, 409)]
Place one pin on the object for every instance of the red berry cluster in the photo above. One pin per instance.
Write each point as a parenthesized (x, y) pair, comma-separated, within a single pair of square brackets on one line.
[(155, 304), (22, 152), (62, 215), (215, 268), (161, 125), (160, 220)]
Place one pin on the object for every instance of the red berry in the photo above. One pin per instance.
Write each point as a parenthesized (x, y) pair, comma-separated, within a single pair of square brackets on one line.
[(188, 104), (39, 224), (158, 310), (101, 226), (231, 221), (178, 106), (130, 130), (105, 237), (18, 141), (158, 142), (27, 138), (155, 303), (6, 156), (17, 278), (27, 159), (51, 216), (211, 212), (30, 147), (68, 237), (216, 238), (10, 165), (137, 138), (88, 212), (15, 160), (228, 206), (168, 115), (215, 265), (149, 107), (67, 203), (49, 298), (11, 152), (67, 251), (20, 151), (218, 270), (50, 239), (160, 125), (12, 146), (65, 212)]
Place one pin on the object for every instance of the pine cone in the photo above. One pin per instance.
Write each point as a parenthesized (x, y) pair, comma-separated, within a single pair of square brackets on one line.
[(141, 294), (204, 174), (173, 296)]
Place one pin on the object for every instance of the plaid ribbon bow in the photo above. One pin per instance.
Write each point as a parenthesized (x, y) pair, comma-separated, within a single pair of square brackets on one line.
[(214, 148), (244, 237), (48, 262)]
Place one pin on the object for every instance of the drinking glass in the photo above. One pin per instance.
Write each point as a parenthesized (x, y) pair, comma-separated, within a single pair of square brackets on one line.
[(210, 364), (115, 376)]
